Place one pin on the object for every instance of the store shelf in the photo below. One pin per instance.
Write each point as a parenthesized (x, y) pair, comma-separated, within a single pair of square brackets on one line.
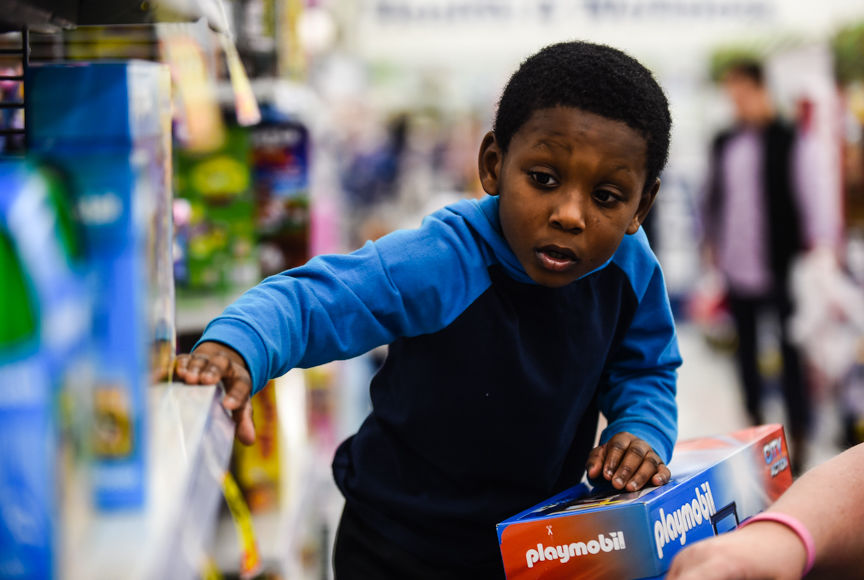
[(52, 15), (309, 502), (190, 443), (44, 15)]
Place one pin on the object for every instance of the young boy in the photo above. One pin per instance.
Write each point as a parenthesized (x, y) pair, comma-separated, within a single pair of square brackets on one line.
[(511, 321)]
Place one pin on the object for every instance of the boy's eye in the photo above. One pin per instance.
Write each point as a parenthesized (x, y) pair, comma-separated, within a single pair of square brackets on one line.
[(543, 178), (605, 197)]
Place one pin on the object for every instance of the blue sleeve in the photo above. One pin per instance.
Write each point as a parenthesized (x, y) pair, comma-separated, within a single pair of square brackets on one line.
[(407, 283), (638, 393)]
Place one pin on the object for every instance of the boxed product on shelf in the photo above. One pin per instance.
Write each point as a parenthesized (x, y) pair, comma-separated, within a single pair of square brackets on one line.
[(160, 251), (219, 234), (321, 404), (103, 124), (280, 165), (257, 466), (717, 482), (44, 309)]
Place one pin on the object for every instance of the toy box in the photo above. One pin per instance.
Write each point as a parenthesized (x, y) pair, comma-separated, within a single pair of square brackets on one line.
[(717, 482), (44, 314), (217, 237), (102, 125), (98, 104), (257, 467), (280, 156)]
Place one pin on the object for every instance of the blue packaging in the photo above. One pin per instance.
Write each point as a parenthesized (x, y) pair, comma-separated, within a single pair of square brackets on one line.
[(45, 321), (103, 125), (717, 482), (101, 103)]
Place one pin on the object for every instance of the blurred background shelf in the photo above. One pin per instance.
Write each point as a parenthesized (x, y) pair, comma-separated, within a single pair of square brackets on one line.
[(293, 531), (189, 452), (194, 312), (52, 15)]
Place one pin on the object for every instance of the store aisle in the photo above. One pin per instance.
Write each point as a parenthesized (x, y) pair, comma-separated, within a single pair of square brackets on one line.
[(709, 399)]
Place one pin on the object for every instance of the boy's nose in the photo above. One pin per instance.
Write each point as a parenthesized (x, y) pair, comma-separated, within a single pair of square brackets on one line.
[(568, 214)]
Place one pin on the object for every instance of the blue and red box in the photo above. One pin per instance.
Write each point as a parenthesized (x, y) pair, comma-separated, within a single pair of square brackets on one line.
[(717, 482)]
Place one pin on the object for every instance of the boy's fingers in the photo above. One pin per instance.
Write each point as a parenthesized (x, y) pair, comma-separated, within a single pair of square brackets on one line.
[(245, 423), (662, 476), (595, 460), (238, 387), (630, 463), (180, 364), (189, 367), (615, 449), (650, 466), (215, 368)]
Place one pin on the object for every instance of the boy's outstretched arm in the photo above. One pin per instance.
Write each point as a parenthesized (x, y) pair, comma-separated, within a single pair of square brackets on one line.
[(407, 283), (638, 393), (211, 362)]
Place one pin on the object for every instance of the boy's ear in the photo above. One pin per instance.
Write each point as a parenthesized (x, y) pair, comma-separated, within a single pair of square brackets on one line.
[(489, 163), (645, 203)]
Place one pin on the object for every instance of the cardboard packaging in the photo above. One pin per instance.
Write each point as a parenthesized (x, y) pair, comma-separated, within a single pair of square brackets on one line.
[(216, 237), (280, 157), (717, 482), (45, 316), (103, 126), (257, 467)]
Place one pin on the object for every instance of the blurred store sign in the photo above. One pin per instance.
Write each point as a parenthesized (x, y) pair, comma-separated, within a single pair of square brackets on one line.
[(504, 10), (405, 29)]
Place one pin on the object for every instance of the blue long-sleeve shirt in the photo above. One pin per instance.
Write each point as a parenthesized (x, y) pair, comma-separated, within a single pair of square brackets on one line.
[(488, 401)]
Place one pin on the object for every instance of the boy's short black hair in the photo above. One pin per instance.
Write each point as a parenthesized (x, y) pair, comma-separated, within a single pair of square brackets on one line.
[(749, 69), (594, 78)]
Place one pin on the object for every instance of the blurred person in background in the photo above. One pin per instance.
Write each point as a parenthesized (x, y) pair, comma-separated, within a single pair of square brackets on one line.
[(372, 175), (761, 211)]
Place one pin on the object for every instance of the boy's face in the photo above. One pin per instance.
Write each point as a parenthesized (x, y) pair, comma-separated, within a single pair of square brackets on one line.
[(572, 184)]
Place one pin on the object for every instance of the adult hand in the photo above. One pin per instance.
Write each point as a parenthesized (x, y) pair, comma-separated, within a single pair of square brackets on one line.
[(762, 550), (628, 462), (212, 362)]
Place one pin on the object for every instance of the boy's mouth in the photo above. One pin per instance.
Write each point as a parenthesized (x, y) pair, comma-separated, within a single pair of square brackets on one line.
[(556, 258)]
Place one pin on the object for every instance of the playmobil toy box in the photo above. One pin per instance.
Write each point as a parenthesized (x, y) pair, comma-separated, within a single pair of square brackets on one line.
[(717, 482)]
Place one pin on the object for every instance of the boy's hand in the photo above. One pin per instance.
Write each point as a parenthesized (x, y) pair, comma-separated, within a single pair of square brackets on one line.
[(627, 461), (212, 362)]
